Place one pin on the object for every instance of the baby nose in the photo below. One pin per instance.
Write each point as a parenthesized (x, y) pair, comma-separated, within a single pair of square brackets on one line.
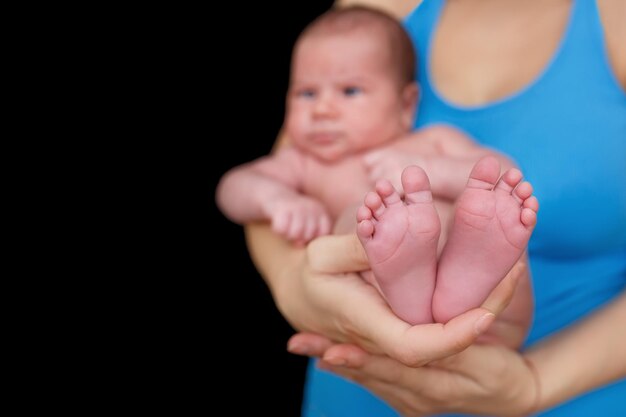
[(325, 106)]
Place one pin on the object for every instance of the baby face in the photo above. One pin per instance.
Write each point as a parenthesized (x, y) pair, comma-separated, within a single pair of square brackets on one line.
[(343, 98)]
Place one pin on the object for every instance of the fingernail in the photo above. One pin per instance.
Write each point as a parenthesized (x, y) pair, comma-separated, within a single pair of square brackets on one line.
[(483, 323), (335, 360), (298, 348)]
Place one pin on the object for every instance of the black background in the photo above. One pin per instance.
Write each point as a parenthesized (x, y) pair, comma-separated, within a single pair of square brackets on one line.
[(249, 341)]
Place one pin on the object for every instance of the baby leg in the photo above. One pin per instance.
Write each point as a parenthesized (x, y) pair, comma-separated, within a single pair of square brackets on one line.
[(400, 239), (492, 223)]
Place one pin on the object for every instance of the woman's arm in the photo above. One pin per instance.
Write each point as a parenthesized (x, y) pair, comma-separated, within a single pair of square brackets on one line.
[(492, 379), (318, 290), (315, 292), (583, 356), (274, 257)]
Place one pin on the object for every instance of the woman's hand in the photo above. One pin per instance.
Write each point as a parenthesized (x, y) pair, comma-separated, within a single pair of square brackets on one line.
[(483, 379), (319, 296)]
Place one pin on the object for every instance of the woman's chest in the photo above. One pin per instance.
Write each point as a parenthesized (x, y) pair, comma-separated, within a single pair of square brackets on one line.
[(578, 171), (502, 48)]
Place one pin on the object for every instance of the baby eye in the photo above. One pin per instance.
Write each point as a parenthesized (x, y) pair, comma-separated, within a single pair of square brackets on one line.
[(352, 91), (306, 93)]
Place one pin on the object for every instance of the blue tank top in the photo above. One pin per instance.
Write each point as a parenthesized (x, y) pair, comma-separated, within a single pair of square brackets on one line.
[(567, 132)]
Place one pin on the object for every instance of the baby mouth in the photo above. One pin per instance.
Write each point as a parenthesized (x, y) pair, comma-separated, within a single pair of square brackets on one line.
[(324, 138)]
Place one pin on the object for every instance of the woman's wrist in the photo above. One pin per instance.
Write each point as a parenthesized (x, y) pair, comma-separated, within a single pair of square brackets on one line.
[(285, 286), (281, 265), (534, 405), (273, 256)]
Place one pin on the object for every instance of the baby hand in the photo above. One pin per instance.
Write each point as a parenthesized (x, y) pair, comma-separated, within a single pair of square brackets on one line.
[(388, 164), (299, 218)]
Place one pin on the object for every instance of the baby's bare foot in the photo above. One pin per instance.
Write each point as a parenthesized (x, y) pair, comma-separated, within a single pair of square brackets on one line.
[(492, 224), (400, 239)]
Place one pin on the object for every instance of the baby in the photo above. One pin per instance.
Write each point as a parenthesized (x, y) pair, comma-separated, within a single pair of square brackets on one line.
[(350, 109)]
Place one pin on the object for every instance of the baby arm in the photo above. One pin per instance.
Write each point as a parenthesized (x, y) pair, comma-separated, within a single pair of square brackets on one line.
[(269, 189), (446, 154)]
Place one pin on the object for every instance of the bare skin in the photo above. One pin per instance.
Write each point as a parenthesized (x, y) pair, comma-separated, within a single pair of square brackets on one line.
[(497, 216), (346, 109), (492, 224), (557, 373), (400, 238)]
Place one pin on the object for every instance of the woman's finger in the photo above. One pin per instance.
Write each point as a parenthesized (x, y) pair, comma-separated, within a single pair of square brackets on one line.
[(458, 334), (380, 331), (427, 342), (345, 354), (336, 254), (399, 386), (308, 344), (468, 361), (378, 367), (376, 328), (414, 346)]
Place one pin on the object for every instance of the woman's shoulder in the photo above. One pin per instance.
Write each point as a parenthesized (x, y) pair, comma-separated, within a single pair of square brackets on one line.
[(398, 8), (613, 15)]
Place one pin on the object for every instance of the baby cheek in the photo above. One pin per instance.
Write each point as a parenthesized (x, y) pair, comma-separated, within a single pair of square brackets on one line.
[(377, 134), (296, 127)]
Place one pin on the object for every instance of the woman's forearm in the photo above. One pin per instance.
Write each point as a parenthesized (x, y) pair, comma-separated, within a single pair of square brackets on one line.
[(278, 261), (587, 355), (273, 256)]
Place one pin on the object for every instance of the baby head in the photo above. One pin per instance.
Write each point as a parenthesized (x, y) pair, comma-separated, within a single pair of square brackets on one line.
[(352, 83)]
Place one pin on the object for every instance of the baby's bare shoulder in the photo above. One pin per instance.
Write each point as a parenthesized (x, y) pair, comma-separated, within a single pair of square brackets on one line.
[(442, 132)]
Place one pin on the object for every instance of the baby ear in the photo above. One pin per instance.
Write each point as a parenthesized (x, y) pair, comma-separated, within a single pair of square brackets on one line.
[(410, 96)]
